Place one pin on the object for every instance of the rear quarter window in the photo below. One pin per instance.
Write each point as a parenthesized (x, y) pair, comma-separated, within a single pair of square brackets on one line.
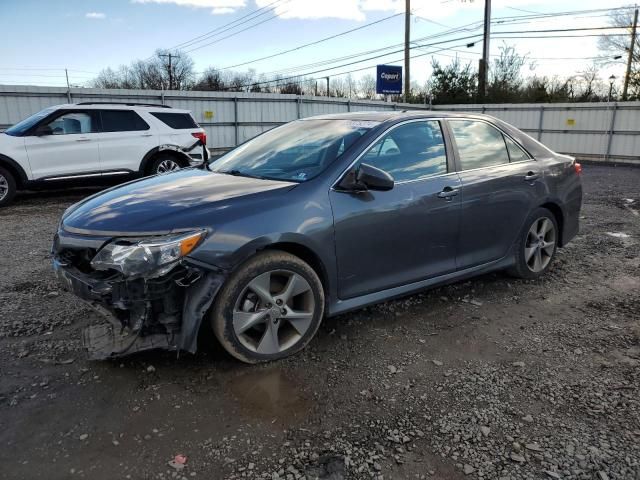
[(177, 121)]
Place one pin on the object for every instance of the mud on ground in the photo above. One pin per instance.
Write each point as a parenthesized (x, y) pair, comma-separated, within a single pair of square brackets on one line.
[(490, 378)]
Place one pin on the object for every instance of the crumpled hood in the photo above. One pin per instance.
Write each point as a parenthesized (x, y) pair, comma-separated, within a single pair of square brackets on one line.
[(164, 203)]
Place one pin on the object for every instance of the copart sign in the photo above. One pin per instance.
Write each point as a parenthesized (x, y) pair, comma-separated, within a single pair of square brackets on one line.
[(389, 79)]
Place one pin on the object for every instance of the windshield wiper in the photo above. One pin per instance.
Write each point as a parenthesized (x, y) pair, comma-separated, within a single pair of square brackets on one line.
[(237, 173)]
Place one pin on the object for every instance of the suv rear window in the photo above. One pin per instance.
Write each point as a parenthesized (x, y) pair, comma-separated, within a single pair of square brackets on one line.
[(122, 121), (176, 120)]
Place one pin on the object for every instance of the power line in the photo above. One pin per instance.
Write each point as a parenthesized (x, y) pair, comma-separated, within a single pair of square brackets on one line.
[(494, 35), (222, 27), (299, 47), (468, 27), (235, 33), (222, 30), (417, 45)]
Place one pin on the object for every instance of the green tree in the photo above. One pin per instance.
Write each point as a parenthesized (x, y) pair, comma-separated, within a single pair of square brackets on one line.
[(453, 83)]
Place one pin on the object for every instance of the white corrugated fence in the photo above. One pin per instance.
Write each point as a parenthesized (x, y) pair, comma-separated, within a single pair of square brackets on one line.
[(595, 131)]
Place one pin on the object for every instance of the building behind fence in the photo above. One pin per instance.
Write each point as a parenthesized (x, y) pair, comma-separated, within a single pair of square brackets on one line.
[(594, 131)]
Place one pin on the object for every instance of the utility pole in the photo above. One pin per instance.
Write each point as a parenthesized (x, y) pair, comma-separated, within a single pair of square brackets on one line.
[(484, 61), (66, 74), (328, 94), (630, 59), (170, 68), (407, 39)]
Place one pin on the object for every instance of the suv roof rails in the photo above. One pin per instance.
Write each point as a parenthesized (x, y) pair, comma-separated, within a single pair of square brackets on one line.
[(130, 104)]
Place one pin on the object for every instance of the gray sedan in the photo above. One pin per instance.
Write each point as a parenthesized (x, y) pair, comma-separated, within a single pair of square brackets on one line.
[(312, 219)]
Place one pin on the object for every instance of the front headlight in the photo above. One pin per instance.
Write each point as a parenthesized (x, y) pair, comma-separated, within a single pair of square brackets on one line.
[(149, 256)]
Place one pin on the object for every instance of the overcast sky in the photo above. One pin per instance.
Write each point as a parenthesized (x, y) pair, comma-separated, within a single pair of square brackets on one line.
[(42, 37)]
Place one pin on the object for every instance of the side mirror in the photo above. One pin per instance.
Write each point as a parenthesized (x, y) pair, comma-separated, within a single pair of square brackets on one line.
[(373, 178), (44, 130)]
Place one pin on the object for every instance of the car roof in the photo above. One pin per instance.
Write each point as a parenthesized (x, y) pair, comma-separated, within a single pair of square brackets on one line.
[(119, 106), (383, 116)]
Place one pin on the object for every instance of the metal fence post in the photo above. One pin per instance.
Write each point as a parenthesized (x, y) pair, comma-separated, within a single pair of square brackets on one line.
[(611, 127), (298, 107), (540, 119), (235, 119), (348, 105)]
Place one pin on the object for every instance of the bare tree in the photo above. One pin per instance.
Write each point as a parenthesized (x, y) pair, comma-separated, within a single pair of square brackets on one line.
[(210, 80), (505, 75), (590, 87), (618, 46), (150, 74), (367, 87), (339, 87)]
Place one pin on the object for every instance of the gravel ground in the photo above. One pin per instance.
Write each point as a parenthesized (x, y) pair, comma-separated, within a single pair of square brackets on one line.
[(492, 378)]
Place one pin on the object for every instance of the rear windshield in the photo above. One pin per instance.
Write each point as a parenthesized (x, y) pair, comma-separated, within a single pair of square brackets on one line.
[(178, 121), (21, 127)]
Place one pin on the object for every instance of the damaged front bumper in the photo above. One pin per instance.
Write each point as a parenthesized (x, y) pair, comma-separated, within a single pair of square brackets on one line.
[(142, 313)]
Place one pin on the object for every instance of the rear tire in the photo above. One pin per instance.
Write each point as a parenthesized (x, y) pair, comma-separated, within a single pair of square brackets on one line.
[(536, 245), (164, 164), (7, 187), (269, 308)]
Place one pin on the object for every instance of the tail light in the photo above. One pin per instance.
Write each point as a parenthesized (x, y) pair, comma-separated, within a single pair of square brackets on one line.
[(577, 167), (202, 136)]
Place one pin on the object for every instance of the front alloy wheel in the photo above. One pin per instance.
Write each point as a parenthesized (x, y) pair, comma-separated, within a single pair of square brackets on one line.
[(273, 312), (7, 187), (269, 308)]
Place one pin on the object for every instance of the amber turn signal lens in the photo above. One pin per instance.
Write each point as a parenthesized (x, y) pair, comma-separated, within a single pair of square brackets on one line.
[(190, 243)]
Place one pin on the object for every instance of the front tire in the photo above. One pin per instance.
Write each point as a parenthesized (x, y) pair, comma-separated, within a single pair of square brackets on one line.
[(536, 245), (7, 187), (269, 308)]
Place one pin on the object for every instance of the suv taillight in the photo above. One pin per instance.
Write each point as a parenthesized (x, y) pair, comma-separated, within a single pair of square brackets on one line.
[(577, 167), (202, 136)]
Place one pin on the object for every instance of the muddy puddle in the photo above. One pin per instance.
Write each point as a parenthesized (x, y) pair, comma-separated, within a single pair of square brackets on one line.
[(269, 395)]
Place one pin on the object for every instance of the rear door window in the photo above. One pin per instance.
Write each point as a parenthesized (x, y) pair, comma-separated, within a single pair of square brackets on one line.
[(178, 121), (411, 151), (122, 121), (479, 144)]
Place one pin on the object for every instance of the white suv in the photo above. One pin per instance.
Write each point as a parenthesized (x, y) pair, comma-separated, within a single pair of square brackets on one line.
[(92, 142)]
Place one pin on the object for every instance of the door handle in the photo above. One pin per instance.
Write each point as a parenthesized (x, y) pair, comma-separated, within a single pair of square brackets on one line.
[(147, 135), (530, 176), (448, 192), (83, 139)]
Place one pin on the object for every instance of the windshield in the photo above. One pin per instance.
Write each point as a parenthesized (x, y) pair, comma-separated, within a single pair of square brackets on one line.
[(21, 127), (297, 151)]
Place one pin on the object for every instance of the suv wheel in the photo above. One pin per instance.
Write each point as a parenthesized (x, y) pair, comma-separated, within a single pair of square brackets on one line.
[(164, 164), (7, 187), (537, 245), (269, 308)]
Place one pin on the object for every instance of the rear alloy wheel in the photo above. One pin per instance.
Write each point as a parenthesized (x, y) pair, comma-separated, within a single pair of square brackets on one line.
[(164, 165), (270, 308), (7, 187), (540, 245), (537, 245)]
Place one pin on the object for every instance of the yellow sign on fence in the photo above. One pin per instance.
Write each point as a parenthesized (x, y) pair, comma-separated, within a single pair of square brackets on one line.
[(208, 114), (571, 122)]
